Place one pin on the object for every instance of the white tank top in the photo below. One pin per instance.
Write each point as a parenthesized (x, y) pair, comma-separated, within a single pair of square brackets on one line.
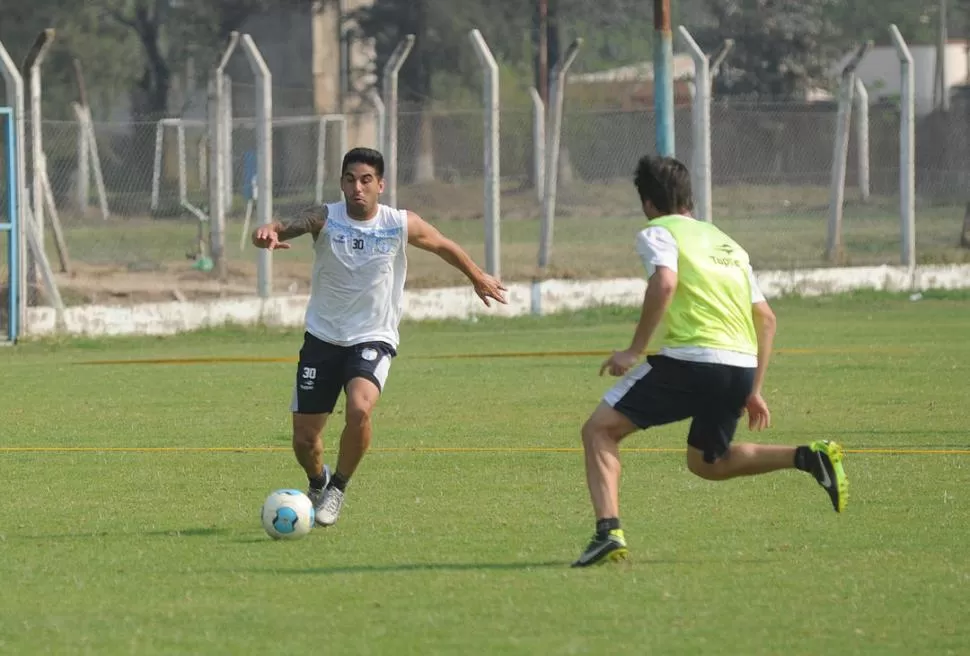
[(359, 267)]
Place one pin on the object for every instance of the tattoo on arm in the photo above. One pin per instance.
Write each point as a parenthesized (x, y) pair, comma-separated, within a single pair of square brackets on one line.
[(311, 220)]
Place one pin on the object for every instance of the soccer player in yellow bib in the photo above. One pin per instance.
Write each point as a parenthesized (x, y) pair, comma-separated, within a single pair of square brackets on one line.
[(710, 333)]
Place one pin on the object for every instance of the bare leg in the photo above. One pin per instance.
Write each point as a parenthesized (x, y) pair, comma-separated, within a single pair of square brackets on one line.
[(307, 445), (362, 396), (602, 434), (742, 459)]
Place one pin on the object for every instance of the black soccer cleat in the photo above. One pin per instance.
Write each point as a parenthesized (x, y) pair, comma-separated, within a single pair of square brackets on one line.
[(611, 548)]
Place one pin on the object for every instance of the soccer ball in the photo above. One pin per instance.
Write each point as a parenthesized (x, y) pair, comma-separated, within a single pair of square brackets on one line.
[(287, 515)]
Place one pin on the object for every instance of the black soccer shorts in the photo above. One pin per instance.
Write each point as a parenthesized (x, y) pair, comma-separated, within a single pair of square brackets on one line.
[(664, 390), (325, 369)]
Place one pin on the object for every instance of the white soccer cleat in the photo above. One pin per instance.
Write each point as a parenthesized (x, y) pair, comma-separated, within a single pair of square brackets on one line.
[(329, 510)]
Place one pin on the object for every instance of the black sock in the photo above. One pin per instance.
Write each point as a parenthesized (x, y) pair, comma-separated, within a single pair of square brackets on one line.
[(338, 481), (604, 526), (803, 460), (318, 482)]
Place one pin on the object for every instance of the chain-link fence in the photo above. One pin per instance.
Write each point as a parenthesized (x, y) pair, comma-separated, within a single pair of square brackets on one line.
[(771, 168), (135, 218), (153, 244)]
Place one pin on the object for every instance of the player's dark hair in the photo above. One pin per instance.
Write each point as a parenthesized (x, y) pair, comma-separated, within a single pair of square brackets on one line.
[(665, 182), (367, 156)]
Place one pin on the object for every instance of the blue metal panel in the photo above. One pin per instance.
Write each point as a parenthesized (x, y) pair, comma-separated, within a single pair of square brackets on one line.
[(10, 225)]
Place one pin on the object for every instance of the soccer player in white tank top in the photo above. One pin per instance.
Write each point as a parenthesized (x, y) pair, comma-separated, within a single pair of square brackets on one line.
[(352, 318)]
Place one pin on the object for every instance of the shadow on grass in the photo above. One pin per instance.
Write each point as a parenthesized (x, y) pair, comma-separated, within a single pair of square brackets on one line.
[(191, 532), (409, 567), (206, 532), (494, 567)]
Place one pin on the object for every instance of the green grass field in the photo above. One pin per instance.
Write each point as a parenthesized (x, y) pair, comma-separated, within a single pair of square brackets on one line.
[(131, 494)]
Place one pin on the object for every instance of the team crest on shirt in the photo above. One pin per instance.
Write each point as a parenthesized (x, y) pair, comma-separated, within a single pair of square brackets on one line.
[(385, 246)]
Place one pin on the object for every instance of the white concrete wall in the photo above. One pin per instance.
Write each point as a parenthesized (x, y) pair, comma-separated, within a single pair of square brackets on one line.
[(461, 302)]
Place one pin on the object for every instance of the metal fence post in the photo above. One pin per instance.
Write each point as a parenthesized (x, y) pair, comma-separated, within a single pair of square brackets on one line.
[(216, 173), (225, 100), (14, 83), (381, 119), (264, 154), (862, 138), (321, 164), (12, 227), (220, 136), (907, 151), (33, 63), (663, 65), (553, 140), (491, 147), (840, 156), (701, 124), (391, 70), (538, 141)]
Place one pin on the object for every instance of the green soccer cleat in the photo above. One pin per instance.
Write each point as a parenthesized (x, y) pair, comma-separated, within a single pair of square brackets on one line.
[(610, 549), (827, 469)]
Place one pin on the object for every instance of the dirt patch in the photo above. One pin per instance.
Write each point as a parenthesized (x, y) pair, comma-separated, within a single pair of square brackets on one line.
[(175, 281)]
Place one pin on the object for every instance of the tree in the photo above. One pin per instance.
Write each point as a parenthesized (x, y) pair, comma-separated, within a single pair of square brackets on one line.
[(149, 21), (441, 52), (782, 47), (80, 34), (863, 21), (170, 31)]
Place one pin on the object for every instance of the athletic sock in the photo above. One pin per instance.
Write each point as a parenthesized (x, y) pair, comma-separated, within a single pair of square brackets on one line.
[(604, 526), (339, 482), (318, 482), (803, 460)]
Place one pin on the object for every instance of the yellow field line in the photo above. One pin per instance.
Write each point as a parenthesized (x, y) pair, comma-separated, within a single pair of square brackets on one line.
[(466, 356), (201, 360), (417, 449)]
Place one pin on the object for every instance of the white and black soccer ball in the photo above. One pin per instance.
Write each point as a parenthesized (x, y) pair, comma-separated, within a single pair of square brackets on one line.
[(287, 515)]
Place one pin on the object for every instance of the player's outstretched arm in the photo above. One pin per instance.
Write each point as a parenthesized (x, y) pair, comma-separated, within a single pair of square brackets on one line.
[(275, 235), (426, 237)]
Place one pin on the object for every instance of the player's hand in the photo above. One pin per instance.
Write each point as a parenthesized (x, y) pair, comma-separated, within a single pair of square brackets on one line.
[(488, 287), (620, 362), (266, 237), (759, 417)]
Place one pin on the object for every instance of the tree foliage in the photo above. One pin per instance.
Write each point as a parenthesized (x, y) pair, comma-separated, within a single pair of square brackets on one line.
[(442, 46), (170, 31), (126, 46), (136, 47), (782, 47)]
